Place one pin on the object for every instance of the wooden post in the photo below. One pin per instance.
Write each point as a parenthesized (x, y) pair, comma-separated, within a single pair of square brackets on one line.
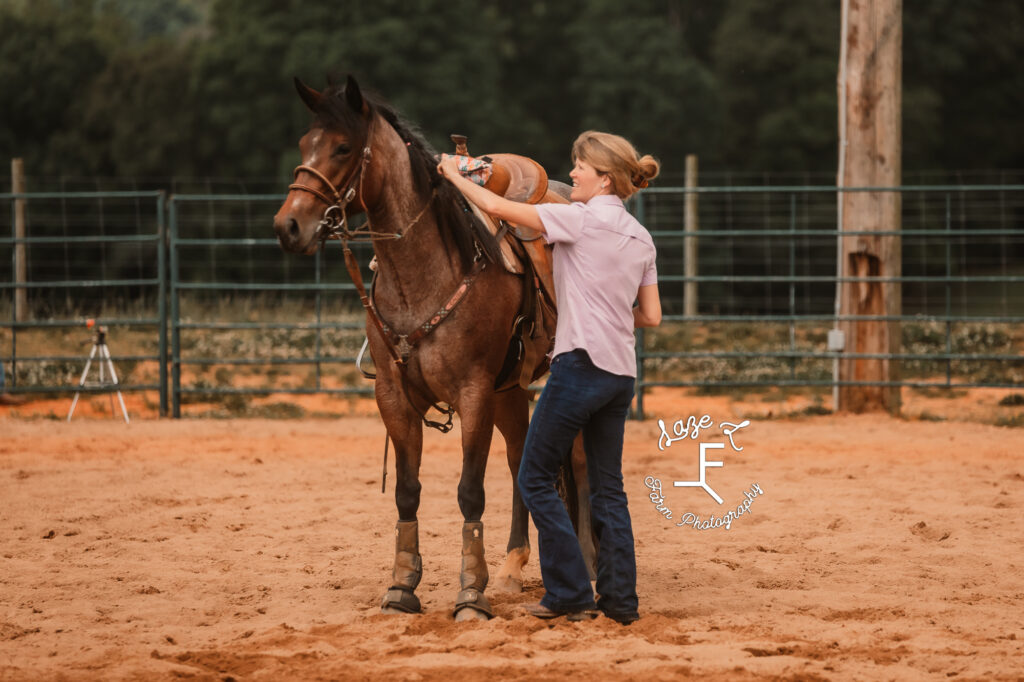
[(872, 98), (20, 262), (690, 241)]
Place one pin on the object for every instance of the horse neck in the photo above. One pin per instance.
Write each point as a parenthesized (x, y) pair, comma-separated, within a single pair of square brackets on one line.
[(414, 273)]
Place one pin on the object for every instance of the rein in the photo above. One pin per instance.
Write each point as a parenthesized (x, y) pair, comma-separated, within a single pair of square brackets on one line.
[(334, 225)]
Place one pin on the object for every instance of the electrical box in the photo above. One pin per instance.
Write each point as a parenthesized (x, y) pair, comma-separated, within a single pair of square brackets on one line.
[(836, 340)]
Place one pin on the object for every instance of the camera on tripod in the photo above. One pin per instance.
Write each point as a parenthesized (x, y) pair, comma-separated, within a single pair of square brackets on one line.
[(100, 333), (106, 367)]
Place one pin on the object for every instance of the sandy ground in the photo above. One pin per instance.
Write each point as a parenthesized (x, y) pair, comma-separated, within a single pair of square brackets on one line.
[(259, 549)]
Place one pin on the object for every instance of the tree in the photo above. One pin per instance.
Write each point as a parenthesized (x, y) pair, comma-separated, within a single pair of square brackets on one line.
[(964, 88), (132, 121), (636, 76), (775, 63), (49, 55)]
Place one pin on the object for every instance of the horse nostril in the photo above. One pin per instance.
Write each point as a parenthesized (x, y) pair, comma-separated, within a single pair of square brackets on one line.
[(293, 228)]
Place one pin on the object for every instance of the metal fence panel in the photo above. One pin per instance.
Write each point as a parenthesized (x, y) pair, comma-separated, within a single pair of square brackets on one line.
[(225, 239), (767, 256), (206, 265), (85, 250)]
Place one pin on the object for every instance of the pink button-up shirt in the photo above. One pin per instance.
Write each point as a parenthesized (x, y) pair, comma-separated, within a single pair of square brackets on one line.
[(602, 256)]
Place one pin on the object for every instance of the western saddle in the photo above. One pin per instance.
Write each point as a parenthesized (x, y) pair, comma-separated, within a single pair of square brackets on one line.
[(524, 253)]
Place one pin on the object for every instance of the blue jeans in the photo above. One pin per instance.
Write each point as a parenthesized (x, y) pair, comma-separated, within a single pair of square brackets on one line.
[(581, 397)]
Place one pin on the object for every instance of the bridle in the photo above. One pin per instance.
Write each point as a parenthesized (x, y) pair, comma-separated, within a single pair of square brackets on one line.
[(334, 222), (334, 225)]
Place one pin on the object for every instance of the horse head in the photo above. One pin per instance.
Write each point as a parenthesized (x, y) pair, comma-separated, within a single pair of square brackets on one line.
[(334, 152)]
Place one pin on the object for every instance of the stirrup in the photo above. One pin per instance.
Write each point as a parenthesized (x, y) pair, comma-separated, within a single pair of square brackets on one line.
[(401, 599)]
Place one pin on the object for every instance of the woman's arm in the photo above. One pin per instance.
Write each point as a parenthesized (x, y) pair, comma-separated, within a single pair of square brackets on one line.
[(524, 215), (648, 312)]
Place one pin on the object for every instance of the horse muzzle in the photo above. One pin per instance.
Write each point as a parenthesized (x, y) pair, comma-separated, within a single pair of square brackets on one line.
[(295, 235)]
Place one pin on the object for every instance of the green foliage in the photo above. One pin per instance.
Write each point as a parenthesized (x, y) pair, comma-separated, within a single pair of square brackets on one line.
[(131, 121), (1012, 400), (161, 88), (48, 57), (153, 18), (645, 82), (779, 61), (964, 86)]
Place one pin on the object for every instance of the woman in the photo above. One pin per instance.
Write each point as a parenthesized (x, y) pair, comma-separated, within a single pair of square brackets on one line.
[(603, 262)]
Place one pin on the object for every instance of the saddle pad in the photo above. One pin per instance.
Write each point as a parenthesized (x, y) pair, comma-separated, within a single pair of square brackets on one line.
[(474, 169)]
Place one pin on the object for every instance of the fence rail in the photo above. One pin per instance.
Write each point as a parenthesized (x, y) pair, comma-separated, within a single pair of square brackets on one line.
[(201, 266), (148, 234)]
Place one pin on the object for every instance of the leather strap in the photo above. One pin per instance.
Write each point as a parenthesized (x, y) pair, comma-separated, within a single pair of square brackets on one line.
[(523, 330), (400, 346)]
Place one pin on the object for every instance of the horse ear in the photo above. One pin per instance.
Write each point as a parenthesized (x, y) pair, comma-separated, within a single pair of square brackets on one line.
[(310, 96), (354, 97)]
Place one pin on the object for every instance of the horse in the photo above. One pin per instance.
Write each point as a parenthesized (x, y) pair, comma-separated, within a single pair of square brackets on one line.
[(440, 315)]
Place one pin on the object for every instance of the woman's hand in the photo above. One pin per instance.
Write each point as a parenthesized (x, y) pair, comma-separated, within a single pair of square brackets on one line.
[(448, 168), (514, 212)]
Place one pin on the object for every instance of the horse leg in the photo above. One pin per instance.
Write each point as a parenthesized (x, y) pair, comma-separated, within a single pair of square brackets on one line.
[(407, 434), (512, 417), (584, 523), (477, 427)]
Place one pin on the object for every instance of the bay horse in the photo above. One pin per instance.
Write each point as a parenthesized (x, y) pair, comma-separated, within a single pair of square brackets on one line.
[(439, 315)]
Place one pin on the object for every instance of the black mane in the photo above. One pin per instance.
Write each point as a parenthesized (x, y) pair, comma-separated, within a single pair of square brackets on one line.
[(455, 218)]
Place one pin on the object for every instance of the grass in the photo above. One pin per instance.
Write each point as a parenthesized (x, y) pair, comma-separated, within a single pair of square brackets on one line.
[(760, 375), (918, 338), (1014, 422)]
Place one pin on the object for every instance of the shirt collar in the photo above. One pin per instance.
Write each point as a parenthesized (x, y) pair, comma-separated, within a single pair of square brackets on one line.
[(605, 200)]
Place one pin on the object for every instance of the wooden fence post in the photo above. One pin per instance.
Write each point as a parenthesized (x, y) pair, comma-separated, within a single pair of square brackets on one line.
[(20, 262), (690, 240), (872, 97)]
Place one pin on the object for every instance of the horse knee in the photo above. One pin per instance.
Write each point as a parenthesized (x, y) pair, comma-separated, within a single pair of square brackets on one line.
[(471, 500)]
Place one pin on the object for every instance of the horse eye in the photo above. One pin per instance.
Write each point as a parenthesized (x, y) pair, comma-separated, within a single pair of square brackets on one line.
[(342, 150)]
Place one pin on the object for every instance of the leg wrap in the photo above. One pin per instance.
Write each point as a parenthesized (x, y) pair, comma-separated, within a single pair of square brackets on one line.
[(473, 577), (474, 566), (408, 565), (407, 571)]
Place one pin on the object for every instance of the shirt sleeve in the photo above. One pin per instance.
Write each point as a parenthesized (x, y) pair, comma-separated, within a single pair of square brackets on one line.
[(651, 274), (562, 222)]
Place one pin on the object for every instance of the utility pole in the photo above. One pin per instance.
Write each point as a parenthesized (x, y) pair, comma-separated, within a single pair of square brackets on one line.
[(870, 100)]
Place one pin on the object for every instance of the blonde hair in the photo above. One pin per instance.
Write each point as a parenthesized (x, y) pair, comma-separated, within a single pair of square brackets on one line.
[(615, 157)]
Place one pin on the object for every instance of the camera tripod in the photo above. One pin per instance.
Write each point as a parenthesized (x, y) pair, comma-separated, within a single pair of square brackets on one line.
[(100, 344)]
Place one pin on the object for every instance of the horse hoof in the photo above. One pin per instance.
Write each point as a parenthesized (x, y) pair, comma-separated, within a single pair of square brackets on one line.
[(471, 604), (508, 584), (400, 601), (467, 614), (393, 610)]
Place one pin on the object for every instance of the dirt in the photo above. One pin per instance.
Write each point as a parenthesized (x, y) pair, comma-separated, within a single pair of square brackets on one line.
[(216, 549)]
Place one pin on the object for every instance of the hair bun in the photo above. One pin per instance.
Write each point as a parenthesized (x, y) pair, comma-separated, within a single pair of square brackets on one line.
[(649, 169)]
